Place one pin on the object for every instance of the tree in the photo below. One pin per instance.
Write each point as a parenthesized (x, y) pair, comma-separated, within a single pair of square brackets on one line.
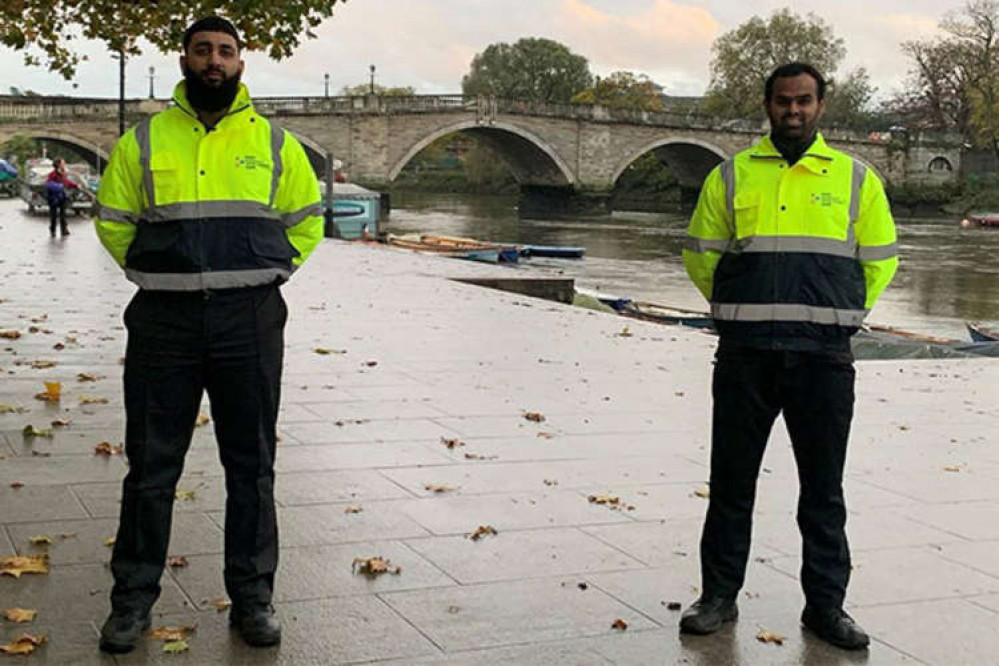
[(45, 29), (532, 70), (744, 57), (365, 89), (935, 94), (623, 90)]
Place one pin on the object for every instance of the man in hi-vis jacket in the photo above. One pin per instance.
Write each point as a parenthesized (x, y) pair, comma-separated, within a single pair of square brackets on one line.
[(208, 207), (792, 242)]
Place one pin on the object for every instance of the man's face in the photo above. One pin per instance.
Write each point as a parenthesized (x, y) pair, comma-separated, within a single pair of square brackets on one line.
[(794, 107), (213, 57)]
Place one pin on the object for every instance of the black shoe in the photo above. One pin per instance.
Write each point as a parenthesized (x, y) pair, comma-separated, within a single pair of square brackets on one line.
[(707, 615), (835, 627), (257, 625), (64, 231), (122, 630), (52, 232)]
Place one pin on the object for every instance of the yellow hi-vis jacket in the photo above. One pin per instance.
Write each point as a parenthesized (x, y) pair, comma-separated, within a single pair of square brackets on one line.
[(791, 257), (183, 208)]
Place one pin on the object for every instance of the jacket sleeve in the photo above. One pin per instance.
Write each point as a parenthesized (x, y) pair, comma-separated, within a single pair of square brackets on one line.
[(298, 200), (120, 198), (876, 238), (709, 233)]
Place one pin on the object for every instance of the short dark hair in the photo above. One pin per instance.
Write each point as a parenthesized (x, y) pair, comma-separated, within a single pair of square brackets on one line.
[(794, 69), (211, 24)]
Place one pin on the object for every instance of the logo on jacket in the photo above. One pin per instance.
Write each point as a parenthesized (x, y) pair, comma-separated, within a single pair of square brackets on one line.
[(826, 199), (248, 162)]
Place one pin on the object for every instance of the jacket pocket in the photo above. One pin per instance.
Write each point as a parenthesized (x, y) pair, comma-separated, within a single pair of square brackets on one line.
[(269, 241), (154, 247), (166, 178), (747, 213)]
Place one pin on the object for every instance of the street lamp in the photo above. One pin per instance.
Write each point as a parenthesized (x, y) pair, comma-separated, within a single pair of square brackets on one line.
[(326, 79), (152, 76), (120, 57), (372, 68)]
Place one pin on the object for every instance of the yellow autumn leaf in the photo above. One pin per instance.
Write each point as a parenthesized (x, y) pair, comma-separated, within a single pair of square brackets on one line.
[(536, 417), (203, 419), (92, 400), (19, 614), (42, 364), (703, 491), (173, 647), (109, 542), (61, 422), (24, 564), (177, 561), (31, 431), (107, 449), (624, 333), (374, 566), (439, 487), (765, 636), (23, 644), (169, 634), (353, 509), (604, 499), (952, 468), (10, 409), (88, 377), (10, 335), (52, 392), (221, 605), (481, 531), (40, 540), (185, 495)]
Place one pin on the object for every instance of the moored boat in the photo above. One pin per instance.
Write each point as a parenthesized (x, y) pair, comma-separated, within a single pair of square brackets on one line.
[(482, 252), (982, 333), (981, 220), (353, 212), (505, 253), (557, 251)]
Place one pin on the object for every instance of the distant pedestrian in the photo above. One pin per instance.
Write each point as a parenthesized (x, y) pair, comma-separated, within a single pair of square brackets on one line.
[(56, 185), (208, 207), (792, 242)]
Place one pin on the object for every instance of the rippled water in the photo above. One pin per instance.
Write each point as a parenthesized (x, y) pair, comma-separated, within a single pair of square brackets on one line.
[(948, 275)]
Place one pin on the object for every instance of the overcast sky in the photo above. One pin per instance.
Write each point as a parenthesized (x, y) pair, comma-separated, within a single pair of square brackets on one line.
[(428, 44)]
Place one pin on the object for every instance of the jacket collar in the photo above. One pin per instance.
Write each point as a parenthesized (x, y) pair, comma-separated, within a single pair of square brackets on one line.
[(816, 158), (240, 103)]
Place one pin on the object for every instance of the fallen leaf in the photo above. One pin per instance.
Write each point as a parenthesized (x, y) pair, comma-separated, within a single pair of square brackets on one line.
[(624, 333), (68, 535), (10, 335), (109, 542), (476, 456), (439, 487), (703, 491), (24, 564), (952, 468), (451, 442), (551, 482), (481, 531), (323, 351), (17, 485), (619, 624), (373, 566), (169, 634), (176, 561), (40, 540), (40, 318), (221, 604), (41, 365), (353, 509), (536, 417), (173, 647), (58, 346), (52, 392), (545, 435), (23, 644), (19, 615), (31, 431), (371, 364), (88, 377), (91, 400), (769, 637), (107, 449), (604, 499), (674, 606), (10, 409), (185, 495), (203, 419), (62, 422)]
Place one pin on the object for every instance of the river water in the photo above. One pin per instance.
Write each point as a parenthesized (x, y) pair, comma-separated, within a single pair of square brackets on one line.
[(947, 275)]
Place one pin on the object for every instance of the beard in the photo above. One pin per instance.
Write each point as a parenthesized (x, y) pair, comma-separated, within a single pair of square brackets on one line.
[(205, 96)]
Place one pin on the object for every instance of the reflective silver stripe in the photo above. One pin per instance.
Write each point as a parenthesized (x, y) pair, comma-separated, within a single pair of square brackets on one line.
[(811, 244), (145, 154), (102, 212), (859, 172), (291, 219), (704, 245), (757, 312), (196, 210), (277, 142), (877, 252), (728, 177), (209, 280)]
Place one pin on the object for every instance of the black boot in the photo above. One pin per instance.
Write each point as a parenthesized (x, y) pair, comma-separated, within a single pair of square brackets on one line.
[(64, 230), (256, 624), (708, 614), (122, 630), (835, 627)]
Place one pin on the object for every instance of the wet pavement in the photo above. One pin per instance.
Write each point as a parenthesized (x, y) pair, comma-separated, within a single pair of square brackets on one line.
[(416, 359)]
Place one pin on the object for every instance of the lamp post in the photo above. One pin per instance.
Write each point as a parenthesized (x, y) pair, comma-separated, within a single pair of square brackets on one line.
[(372, 68), (326, 82), (121, 90), (152, 76)]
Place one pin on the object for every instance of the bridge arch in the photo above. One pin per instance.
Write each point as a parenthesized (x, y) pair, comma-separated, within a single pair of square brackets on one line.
[(690, 157), (98, 156), (530, 158), (318, 156)]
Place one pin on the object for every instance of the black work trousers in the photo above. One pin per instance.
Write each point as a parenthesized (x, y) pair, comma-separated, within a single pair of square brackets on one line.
[(57, 213), (180, 344), (815, 392)]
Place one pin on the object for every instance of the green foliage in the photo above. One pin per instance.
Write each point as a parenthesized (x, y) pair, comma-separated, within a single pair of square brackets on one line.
[(45, 29), (19, 149), (365, 89), (744, 57), (623, 90), (532, 70), (647, 174)]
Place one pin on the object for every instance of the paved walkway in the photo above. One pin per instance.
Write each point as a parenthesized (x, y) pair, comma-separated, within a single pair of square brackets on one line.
[(425, 359)]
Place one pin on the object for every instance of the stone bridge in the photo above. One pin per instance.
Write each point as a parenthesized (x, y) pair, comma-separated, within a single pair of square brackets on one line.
[(564, 156)]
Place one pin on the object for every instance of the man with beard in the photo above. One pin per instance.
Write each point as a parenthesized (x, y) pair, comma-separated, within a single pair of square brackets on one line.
[(792, 242), (208, 207)]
